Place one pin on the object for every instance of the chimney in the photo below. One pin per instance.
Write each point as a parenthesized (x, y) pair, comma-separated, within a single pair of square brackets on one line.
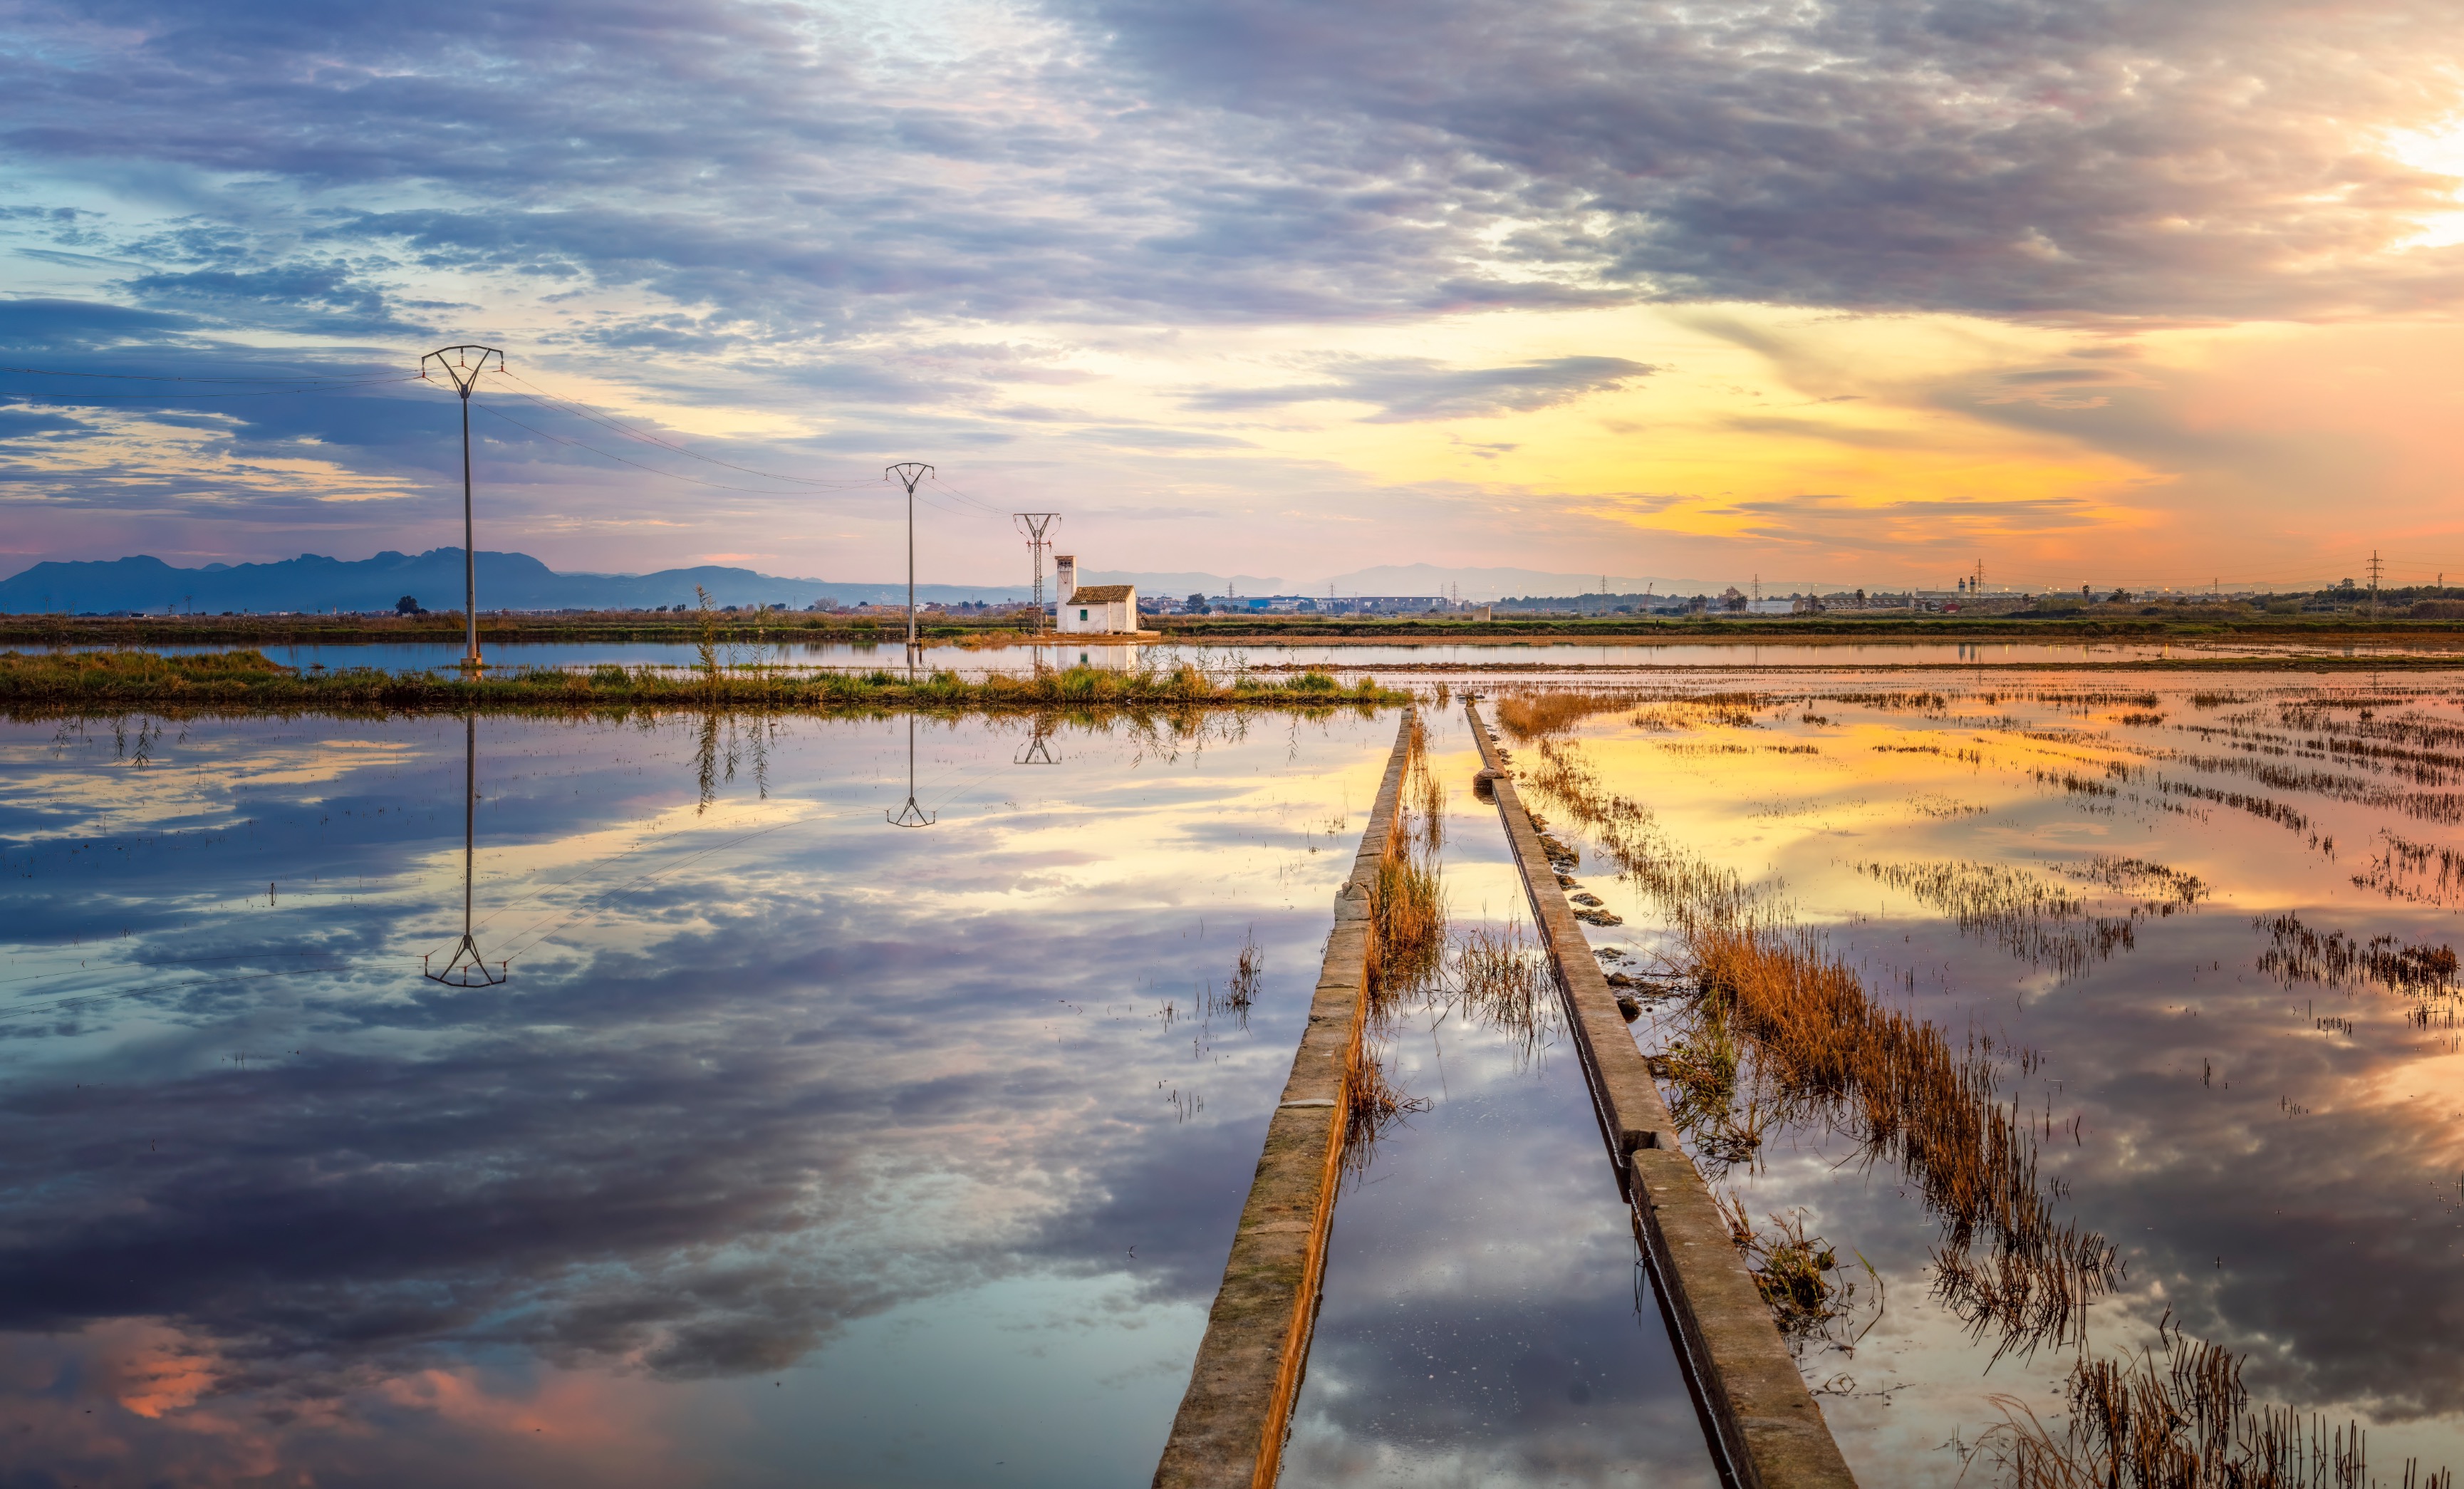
[(1065, 578)]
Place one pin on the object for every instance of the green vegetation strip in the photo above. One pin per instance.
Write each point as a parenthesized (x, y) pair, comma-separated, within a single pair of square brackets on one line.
[(1765, 1425), (2433, 622), (69, 681), (1229, 1432)]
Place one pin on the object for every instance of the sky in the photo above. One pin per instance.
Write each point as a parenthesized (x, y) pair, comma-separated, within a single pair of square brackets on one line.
[(1866, 292)]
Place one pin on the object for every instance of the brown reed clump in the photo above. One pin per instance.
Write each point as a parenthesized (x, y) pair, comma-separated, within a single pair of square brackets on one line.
[(1422, 790), (2297, 953), (2017, 911), (1407, 914), (1504, 981), (1533, 716), (1247, 968), (1373, 1104), (1779, 1028), (1799, 1276), (1895, 1083), (2179, 1420)]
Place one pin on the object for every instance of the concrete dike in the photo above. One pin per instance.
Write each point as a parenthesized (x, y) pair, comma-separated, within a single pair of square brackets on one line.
[(1230, 1428), (1764, 1427)]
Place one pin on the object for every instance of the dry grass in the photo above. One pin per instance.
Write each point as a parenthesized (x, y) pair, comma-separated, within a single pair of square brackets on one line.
[(1407, 908), (1247, 968), (1536, 716), (2297, 953), (1504, 980), (1779, 1029), (2179, 1420), (1897, 1085), (1373, 1104), (1800, 1279), (2030, 918)]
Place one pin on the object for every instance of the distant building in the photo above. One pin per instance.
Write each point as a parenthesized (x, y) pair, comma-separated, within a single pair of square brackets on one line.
[(1092, 610)]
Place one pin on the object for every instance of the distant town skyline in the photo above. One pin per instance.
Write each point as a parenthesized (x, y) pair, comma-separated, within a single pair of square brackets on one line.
[(2156, 298)]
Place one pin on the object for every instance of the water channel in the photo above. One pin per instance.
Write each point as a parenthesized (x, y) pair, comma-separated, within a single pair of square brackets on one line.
[(774, 1141), (793, 1146)]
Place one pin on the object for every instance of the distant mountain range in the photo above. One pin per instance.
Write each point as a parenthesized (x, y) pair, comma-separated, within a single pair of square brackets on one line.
[(507, 581), (518, 581)]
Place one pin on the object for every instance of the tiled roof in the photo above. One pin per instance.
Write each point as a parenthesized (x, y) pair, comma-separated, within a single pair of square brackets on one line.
[(1101, 594)]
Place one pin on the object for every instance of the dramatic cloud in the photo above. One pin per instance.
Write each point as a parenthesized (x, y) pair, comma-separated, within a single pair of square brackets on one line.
[(1411, 391), (830, 235)]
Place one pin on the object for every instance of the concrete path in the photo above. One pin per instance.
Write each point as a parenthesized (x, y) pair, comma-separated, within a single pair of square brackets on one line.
[(1767, 1432), (1232, 1422)]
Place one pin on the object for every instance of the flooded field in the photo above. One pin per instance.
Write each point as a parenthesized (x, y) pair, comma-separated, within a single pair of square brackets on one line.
[(775, 1144), (1449, 657), (795, 1115), (2193, 1075), (1485, 1319)]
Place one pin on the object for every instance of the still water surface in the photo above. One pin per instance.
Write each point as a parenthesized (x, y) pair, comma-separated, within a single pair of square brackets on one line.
[(1485, 1320), (798, 1147), (794, 1147), (2278, 1155), (1467, 660)]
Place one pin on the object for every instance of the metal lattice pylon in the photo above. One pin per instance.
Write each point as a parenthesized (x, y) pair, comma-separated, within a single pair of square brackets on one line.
[(473, 973)]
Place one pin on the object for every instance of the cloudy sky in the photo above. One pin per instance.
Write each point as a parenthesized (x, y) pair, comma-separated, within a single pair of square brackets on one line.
[(1864, 292)]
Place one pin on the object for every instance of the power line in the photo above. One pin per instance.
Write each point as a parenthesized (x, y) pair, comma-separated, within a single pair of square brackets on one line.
[(40, 395), (1037, 525), (153, 377)]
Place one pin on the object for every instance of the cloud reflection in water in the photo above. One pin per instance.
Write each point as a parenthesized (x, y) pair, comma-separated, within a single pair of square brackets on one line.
[(763, 1077)]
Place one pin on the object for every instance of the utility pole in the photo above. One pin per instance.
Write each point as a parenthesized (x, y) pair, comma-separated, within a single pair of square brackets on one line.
[(2374, 584), (912, 815), (907, 473), (1035, 525), (459, 371), (457, 973)]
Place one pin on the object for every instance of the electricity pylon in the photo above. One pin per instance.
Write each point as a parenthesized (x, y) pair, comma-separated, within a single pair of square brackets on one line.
[(1035, 524), (465, 377), (474, 973), (907, 473), (911, 814), (1037, 752)]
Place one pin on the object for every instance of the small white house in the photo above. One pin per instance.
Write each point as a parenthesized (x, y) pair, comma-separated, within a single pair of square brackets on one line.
[(1099, 609)]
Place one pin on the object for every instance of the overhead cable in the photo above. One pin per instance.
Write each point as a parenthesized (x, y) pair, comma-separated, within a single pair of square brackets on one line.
[(153, 377)]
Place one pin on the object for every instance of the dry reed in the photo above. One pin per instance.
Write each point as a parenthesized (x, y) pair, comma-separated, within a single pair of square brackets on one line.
[(1504, 981), (1247, 968), (2016, 911), (1536, 715), (1374, 1103), (1800, 1278), (2300, 954), (1407, 910), (1779, 1028), (2179, 1420)]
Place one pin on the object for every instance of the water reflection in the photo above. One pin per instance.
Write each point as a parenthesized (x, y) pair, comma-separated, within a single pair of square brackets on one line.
[(799, 1152), (2275, 1154), (1038, 749), (911, 814), (456, 973), (1452, 658), (1485, 1320)]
